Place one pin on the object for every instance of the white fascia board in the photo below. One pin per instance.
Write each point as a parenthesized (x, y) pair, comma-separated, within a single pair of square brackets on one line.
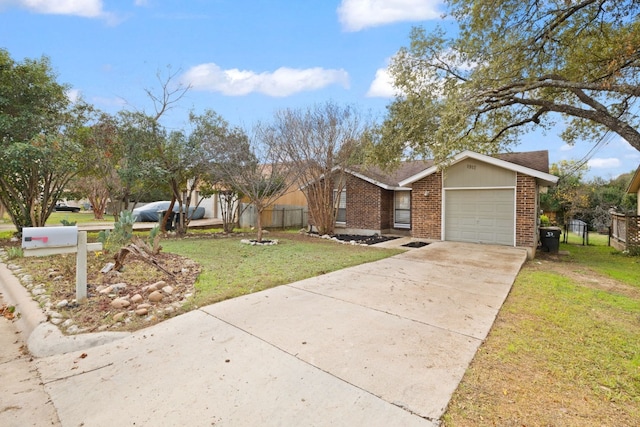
[(545, 178)]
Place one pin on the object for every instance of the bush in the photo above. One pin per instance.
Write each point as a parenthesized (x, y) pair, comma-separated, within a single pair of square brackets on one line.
[(544, 221)]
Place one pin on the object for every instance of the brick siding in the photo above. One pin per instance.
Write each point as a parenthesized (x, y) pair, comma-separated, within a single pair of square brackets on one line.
[(367, 205), (426, 211), (526, 212)]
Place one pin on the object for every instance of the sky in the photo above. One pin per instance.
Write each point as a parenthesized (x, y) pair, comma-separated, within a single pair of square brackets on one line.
[(244, 59)]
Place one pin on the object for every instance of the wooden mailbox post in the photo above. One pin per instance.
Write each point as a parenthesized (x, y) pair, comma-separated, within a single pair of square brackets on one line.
[(44, 241)]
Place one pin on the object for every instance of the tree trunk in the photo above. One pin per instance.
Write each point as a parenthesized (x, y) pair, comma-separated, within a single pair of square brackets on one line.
[(259, 224)]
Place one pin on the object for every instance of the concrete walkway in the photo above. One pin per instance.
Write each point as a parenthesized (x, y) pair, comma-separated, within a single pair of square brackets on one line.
[(380, 344)]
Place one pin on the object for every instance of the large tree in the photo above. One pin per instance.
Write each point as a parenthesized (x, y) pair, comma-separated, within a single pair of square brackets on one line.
[(225, 148), (516, 66), (259, 174), (38, 157), (102, 157), (320, 143)]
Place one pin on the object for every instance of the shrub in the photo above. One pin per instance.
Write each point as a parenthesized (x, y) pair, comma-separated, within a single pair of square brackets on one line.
[(121, 235), (544, 221)]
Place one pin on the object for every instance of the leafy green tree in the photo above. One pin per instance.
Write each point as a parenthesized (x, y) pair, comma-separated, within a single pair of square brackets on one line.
[(225, 149), (515, 66), (38, 157), (606, 196), (102, 154), (569, 198)]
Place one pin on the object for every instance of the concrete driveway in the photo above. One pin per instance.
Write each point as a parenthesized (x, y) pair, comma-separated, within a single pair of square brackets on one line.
[(380, 344)]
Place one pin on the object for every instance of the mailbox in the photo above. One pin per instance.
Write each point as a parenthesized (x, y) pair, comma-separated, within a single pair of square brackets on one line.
[(49, 237)]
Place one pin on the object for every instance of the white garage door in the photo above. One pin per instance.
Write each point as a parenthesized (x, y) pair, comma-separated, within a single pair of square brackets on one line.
[(480, 216)]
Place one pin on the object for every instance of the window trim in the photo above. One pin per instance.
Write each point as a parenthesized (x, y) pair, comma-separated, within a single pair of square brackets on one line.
[(396, 224), (340, 198)]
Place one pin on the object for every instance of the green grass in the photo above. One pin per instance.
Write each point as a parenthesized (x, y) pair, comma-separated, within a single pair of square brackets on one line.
[(565, 348), (79, 217), (606, 260), (231, 269)]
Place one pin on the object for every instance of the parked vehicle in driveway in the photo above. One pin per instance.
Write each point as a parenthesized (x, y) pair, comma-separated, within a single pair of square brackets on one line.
[(151, 211), (63, 207)]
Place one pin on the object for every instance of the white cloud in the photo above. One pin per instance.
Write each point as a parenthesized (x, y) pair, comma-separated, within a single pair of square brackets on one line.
[(567, 147), (282, 82), (382, 85), (141, 2), (356, 15), (83, 8), (611, 162)]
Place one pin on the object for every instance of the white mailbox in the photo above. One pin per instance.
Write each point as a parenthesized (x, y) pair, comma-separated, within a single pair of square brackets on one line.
[(49, 237)]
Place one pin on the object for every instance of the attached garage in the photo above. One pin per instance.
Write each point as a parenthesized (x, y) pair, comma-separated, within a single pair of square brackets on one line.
[(480, 216), (479, 203)]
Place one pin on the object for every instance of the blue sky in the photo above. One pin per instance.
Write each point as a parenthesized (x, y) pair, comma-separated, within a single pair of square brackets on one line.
[(244, 59)]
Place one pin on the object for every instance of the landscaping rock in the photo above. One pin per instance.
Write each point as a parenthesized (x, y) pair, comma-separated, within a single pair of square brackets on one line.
[(167, 290), (137, 298), (120, 303), (155, 296), (119, 316)]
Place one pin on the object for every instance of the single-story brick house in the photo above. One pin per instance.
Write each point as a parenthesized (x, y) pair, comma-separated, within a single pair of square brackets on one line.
[(476, 198)]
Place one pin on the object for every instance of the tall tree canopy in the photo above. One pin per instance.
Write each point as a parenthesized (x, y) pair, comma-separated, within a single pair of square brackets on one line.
[(38, 156), (507, 71)]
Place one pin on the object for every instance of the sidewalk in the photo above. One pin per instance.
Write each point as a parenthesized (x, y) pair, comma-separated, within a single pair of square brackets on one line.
[(23, 399)]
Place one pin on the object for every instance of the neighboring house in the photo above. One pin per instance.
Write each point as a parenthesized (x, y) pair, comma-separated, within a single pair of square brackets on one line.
[(634, 187), (289, 210), (625, 229), (476, 198)]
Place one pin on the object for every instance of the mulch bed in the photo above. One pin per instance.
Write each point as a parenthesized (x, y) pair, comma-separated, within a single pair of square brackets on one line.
[(363, 240), (415, 245)]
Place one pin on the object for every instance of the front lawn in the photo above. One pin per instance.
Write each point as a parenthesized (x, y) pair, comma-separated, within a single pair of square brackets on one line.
[(231, 269), (564, 350)]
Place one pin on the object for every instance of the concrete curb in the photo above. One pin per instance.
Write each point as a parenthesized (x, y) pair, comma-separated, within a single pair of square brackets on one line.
[(42, 337), (28, 312)]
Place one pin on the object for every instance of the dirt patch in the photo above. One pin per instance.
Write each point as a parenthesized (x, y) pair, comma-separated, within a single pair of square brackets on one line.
[(587, 277)]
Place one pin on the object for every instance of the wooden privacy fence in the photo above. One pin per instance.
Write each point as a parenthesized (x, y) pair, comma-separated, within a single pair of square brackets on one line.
[(625, 232), (275, 217)]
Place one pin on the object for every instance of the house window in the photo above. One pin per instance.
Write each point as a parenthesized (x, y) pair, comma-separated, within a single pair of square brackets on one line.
[(341, 202), (402, 209)]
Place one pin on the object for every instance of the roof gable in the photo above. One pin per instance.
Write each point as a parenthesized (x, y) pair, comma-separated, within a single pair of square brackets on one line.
[(634, 185), (389, 180), (525, 163)]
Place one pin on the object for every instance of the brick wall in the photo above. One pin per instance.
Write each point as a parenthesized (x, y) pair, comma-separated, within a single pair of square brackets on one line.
[(526, 212), (365, 203), (426, 211)]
